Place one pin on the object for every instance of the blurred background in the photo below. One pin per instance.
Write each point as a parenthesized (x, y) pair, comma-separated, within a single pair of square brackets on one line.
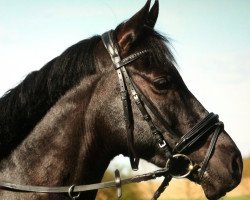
[(210, 41)]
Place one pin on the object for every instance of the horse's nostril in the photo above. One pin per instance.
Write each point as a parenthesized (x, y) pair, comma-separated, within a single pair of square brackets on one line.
[(236, 167)]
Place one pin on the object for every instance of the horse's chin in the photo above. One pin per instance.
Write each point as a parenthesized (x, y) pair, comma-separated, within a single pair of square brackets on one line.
[(212, 192), (215, 187)]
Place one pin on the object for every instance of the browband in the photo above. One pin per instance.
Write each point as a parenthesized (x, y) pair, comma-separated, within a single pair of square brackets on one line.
[(108, 39)]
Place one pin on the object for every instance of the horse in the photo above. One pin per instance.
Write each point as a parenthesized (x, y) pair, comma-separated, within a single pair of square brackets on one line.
[(65, 122)]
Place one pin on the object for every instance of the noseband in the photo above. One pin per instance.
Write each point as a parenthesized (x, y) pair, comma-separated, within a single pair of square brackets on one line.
[(210, 124)]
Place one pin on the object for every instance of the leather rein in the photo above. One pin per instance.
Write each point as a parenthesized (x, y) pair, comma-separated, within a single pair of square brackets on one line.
[(210, 124)]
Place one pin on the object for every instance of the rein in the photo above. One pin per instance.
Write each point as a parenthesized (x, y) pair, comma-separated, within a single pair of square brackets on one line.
[(210, 124), (74, 191)]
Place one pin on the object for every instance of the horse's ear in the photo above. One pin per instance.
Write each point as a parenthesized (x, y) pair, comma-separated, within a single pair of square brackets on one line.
[(153, 15), (129, 31)]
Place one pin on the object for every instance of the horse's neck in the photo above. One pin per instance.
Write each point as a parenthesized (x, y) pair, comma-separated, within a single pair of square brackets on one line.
[(61, 149)]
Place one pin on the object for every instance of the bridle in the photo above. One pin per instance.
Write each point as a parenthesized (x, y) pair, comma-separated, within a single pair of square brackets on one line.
[(210, 124), (204, 127)]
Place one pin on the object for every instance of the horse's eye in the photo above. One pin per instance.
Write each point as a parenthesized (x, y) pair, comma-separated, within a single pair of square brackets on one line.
[(161, 83)]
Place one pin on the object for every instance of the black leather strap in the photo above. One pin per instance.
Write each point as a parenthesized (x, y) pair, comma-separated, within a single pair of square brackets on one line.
[(219, 128), (109, 42), (137, 95), (154, 110), (117, 183), (162, 187), (125, 83), (204, 127)]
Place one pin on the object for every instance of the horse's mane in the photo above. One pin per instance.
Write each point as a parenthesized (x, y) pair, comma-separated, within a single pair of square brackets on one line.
[(22, 107)]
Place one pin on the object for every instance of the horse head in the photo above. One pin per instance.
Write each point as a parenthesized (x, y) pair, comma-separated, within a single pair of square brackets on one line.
[(163, 94)]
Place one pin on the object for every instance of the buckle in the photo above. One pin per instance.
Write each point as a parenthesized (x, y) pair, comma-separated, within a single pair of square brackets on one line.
[(162, 144)]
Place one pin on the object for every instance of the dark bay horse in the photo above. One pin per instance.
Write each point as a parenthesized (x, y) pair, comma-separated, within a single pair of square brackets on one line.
[(64, 123)]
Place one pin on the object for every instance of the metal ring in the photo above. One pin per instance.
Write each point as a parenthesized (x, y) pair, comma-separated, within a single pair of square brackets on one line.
[(180, 166), (71, 191)]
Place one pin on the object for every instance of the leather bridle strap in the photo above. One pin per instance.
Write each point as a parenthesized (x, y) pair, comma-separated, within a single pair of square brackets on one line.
[(125, 84), (154, 130), (220, 127), (154, 110), (109, 42)]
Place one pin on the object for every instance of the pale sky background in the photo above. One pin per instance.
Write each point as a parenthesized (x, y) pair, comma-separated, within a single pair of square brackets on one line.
[(211, 42)]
